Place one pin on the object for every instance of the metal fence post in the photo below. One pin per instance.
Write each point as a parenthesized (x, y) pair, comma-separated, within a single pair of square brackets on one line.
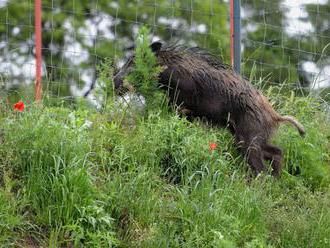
[(38, 44), (235, 34)]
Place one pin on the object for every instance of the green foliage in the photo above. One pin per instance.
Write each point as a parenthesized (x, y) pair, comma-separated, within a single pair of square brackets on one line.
[(307, 157), (145, 73), (50, 158), (74, 178), (11, 221), (105, 93)]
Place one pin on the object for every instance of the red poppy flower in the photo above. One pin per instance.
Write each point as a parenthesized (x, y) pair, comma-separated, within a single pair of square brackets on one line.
[(19, 106), (213, 146)]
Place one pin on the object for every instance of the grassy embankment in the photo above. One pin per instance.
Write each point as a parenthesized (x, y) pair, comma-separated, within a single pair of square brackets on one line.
[(78, 177), (64, 180)]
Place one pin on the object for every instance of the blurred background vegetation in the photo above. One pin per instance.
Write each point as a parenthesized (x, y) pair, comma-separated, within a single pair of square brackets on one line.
[(282, 40)]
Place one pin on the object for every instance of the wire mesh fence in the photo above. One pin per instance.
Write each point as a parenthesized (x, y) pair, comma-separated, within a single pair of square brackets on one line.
[(282, 40), (288, 41), (78, 34)]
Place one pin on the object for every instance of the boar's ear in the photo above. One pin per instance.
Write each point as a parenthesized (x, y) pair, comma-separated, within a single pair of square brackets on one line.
[(156, 46)]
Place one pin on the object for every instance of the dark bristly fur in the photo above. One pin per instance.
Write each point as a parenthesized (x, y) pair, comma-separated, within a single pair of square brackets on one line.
[(203, 86)]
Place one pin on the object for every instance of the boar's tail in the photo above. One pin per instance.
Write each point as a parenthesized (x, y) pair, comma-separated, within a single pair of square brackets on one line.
[(294, 122)]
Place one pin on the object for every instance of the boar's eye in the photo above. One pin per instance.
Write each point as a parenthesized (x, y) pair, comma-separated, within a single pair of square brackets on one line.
[(156, 46)]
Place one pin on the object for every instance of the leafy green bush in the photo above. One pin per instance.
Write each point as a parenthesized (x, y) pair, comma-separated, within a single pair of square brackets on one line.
[(144, 76)]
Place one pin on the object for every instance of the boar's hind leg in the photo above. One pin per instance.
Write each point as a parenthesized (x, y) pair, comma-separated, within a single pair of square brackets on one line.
[(274, 154), (253, 153), (255, 160)]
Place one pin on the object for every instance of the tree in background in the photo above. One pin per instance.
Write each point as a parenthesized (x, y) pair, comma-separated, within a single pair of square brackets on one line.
[(76, 34), (277, 44), (263, 39)]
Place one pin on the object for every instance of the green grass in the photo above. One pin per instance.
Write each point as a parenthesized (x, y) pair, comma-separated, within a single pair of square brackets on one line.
[(155, 183)]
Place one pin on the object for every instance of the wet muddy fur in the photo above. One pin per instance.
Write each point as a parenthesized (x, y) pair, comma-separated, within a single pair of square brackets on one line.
[(203, 86)]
